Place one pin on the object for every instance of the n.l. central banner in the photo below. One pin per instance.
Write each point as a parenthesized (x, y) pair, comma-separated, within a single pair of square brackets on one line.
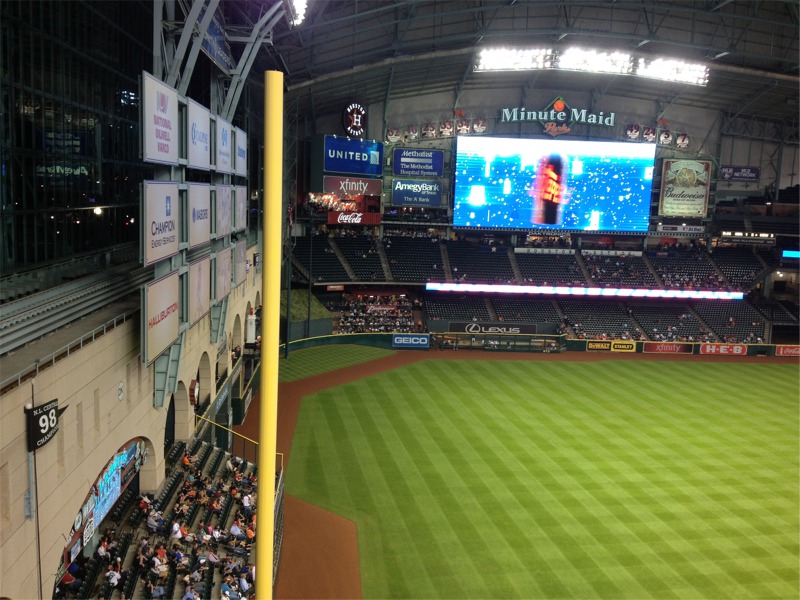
[(684, 188)]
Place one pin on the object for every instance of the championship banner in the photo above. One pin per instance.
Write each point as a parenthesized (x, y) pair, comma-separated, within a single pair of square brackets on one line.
[(42, 423), (353, 218), (684, 188), (598, 346), (492, 328), (724, 349), (787, 350), (666, 348), (623, 346)]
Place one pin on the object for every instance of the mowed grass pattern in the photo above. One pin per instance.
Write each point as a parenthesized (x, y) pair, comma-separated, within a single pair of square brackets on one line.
[(323, 359), (613, 479)]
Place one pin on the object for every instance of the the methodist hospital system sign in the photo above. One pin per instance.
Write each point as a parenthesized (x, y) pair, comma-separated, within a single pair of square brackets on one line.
[(413, 162)]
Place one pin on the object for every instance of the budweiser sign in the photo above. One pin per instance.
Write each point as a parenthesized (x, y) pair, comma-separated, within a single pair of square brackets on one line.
[(787, 350), (353, 218), (724, 349)]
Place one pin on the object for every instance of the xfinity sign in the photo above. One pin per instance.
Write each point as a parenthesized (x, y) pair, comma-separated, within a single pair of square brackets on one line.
[(411, 340)]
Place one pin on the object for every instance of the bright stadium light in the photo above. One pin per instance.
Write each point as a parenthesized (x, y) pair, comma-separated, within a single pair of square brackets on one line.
[(587, 60), (298, 11)]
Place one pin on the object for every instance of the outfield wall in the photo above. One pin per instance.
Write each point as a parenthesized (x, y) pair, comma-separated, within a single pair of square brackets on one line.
[(552, 343)]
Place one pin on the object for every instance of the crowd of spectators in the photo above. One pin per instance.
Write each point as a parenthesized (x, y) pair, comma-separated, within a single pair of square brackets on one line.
[(377, 314), (171, 553)]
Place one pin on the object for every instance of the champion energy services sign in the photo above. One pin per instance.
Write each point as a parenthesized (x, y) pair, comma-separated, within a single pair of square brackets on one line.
[(160, 208), (411, 162), (416, 192)]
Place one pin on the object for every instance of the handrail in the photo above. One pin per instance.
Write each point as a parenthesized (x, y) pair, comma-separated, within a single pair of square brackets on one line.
[(50, 359)]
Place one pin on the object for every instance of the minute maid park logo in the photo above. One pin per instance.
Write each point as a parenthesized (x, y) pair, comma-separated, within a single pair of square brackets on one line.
[(557, 117)]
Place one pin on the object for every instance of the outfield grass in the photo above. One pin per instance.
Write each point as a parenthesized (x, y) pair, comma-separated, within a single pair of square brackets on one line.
[(324, 359), (613, 479)]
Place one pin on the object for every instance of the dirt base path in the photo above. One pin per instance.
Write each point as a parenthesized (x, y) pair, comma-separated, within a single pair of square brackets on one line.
[(319, 557)]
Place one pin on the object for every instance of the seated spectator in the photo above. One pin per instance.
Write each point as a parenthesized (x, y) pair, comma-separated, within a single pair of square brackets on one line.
[(154, 590)]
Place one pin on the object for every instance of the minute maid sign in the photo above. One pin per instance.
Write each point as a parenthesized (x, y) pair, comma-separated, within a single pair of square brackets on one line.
[(557, 117)]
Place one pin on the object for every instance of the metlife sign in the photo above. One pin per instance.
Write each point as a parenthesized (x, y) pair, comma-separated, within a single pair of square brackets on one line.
[(410, 162), (346, 155), (416, 192), (411, 340)]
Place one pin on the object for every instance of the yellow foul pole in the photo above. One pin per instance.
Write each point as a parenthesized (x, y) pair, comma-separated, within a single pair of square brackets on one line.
[(270, 324)]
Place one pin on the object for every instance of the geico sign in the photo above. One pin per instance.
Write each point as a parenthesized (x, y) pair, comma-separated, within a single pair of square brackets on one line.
[(407, 339), (476, 328), (726, 349)]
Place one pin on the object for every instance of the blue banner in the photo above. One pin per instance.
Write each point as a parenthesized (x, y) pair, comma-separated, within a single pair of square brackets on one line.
[(418, 163), (416, 192), (411, 340), (746, 174), (348, 155)]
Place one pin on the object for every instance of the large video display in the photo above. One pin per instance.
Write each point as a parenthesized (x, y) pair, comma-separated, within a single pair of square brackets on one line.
[(513, 183)]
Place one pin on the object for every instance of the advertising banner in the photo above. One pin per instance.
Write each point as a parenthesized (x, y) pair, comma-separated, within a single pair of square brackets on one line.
[(623, 346), (353, 218), (224, 272), (351, 186), (667, 348), (199, 213), (240, 159), (411, 340), (198, 150), (160, 127), (416, 192), (160, 208), (162, 320), (412, 162), (224, 158), (199, 289), (598, 346), (240, 222), (724, 349), (787, 350), (215, 46), (224, 208), (239, 263), (492, 328), (684, 188), (347, 155), (742, 174)]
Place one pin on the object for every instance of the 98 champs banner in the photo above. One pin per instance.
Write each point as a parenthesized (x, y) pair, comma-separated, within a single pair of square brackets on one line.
[(684, 188)]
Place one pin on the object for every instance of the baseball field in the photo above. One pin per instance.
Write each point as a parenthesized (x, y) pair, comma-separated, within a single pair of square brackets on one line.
[(521, 478)]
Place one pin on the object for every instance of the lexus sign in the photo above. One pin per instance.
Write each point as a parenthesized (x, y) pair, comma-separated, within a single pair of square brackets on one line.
[(493, 328)]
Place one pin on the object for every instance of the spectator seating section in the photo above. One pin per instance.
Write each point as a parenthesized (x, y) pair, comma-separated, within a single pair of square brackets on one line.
[(549, 269), (456, 308), (526, 310), (361, 255), (414, 259), (619, 271), (732, 321), (663, 321), (479, 264), (319, 259), (739, 265), (692, 270), (591, 319)]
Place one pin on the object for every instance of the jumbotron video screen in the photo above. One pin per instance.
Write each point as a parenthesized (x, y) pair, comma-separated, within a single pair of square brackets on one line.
[(516, 183)]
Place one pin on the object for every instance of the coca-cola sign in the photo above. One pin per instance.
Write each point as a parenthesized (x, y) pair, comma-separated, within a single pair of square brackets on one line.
[(353, 218), (787, 350)]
